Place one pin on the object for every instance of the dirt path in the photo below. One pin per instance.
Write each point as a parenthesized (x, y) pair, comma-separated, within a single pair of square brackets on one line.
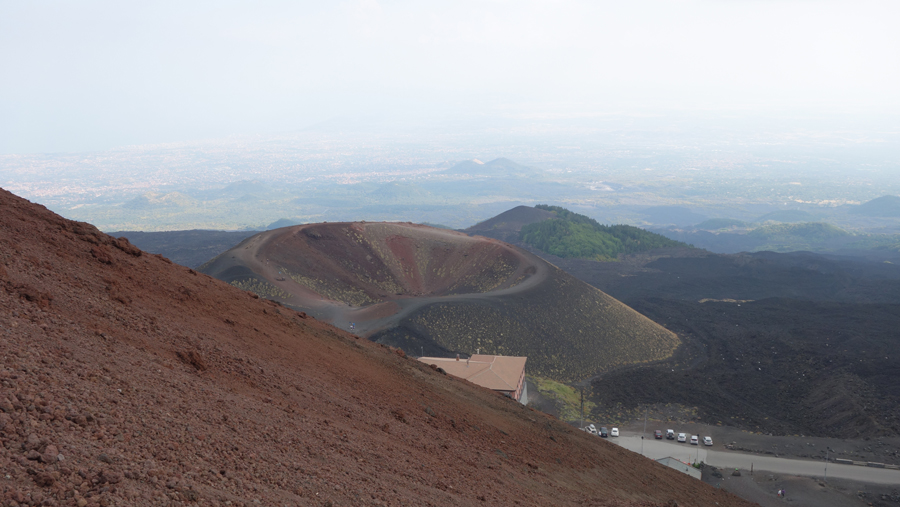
[(368, 320), (410, 305)]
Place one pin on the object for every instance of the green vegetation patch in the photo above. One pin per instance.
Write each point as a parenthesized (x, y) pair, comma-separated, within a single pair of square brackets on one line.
[(568, 398), (792, 237), (575, 235)]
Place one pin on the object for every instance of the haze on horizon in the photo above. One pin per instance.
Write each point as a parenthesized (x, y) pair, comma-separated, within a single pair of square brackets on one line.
[(97, 75)]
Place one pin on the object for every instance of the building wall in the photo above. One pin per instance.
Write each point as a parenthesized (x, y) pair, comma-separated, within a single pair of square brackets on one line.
[(520, 389), (681, 467)]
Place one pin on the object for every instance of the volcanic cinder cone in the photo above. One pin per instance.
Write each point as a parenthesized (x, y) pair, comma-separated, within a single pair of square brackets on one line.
[(442, 292)]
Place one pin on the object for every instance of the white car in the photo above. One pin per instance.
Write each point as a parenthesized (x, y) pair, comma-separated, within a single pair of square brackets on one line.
[(707, 440), (614, 432), (695, 440), (682, 438)]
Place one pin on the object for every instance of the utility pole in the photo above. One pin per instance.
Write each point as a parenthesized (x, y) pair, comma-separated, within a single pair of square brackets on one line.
[(826, 463), (582, 407), (645, 431)]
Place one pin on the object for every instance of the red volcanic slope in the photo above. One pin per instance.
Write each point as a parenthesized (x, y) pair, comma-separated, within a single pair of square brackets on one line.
[(127, 380)]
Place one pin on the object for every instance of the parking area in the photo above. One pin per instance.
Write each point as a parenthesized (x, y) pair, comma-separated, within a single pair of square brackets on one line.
[(656, 449)]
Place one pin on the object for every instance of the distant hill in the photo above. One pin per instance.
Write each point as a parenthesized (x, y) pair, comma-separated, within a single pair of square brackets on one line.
[(714, 224), (281, 222), (788, 215), (884, 206), (787, 237), (672, 215), (248, 199), (243, 187), (188, 248), (500, 167), (399, 192), (437, 226), (438, 292), (571, 234), (156, 200), (507, 225), (792, 237)]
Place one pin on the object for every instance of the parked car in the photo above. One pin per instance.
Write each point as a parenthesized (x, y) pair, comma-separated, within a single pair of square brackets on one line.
[(603, 432), (591, 429), (614, 432), (670, 434), (657, 434), (707, 440), (682, 438), (695, 440)]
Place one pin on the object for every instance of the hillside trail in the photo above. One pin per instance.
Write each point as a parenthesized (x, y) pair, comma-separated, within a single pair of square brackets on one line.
[(368, 320)]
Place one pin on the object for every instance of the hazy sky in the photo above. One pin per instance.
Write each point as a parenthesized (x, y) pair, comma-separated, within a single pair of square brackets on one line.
[(86, 75)]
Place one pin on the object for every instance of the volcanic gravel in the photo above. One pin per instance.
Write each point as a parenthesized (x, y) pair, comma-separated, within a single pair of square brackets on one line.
[(128, 380)]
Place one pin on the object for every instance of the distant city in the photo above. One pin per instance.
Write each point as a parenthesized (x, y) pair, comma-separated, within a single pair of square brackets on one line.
[(615, 170)]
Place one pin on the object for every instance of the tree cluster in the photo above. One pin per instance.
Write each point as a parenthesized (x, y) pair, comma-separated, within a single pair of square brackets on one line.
[(574, 235)]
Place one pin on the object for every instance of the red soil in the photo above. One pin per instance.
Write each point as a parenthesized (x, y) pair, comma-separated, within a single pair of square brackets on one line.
[(404, 251), (128, 380), (385, 260)]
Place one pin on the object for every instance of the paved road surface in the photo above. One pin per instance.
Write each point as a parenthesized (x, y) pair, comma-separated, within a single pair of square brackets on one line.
[(656, 449)]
